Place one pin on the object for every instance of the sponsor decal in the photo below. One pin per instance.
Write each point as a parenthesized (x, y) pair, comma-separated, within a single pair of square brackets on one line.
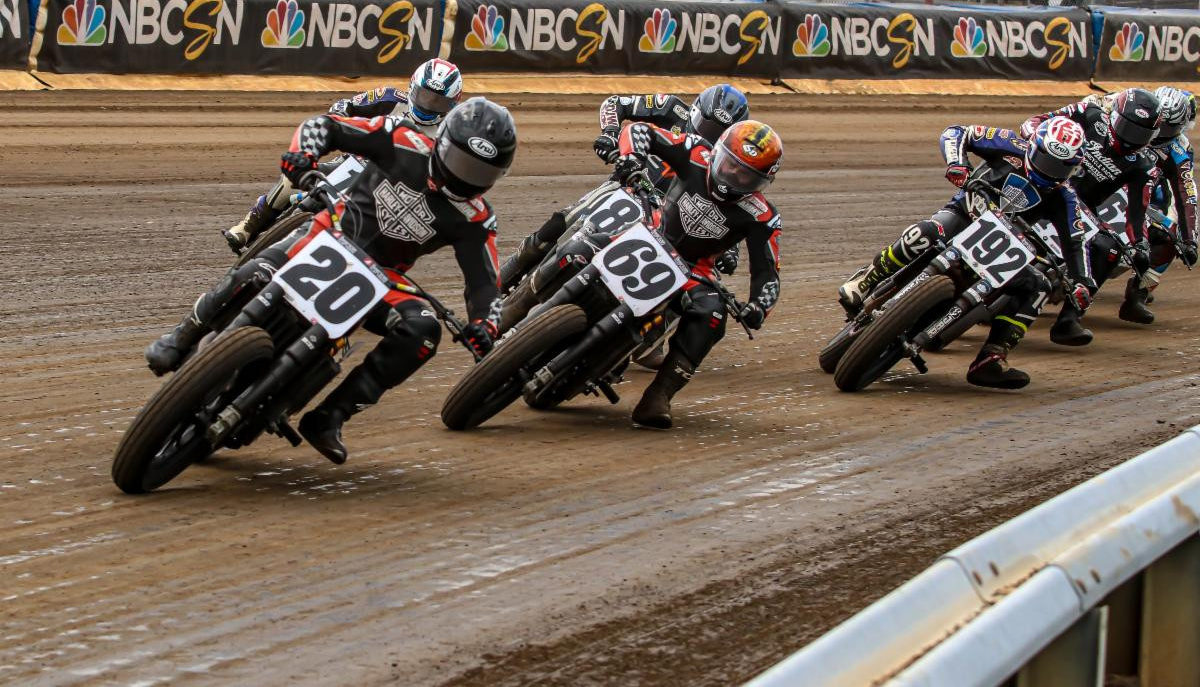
[(482, 147), (659, 33), (82, 24), (812, 38), (968, 39), (701, 218), (1129, 45), (404, 214), (750, 149), (285, 26), (543, 29)]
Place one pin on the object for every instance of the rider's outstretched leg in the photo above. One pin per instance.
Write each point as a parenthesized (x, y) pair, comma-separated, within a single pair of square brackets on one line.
[(700, 328)]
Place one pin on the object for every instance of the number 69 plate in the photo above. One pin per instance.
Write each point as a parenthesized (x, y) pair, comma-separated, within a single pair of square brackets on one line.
[(329, 285), (639, 271)]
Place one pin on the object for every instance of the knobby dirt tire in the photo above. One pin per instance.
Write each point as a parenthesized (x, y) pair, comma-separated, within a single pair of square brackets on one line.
[(493, 384), (272, 235), (863, 362), (176, 401)]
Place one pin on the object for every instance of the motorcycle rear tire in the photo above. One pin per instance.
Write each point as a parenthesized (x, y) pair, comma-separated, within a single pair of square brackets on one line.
[(494, 383), (138, 466), (272, 235), (875, 350)]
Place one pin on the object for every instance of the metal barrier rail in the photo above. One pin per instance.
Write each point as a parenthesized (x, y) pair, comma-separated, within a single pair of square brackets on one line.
[(1039, 600)]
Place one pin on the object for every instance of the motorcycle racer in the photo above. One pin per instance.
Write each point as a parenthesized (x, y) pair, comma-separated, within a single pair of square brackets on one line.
[(1118, 129), (715, 201), (1048, 160), (417, 196), (433, 90), (714, 110)]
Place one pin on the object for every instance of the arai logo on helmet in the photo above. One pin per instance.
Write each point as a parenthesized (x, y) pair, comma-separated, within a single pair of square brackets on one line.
[(1058, 149), (481, 146), (1141, 113), (435, 85), (722, 116)]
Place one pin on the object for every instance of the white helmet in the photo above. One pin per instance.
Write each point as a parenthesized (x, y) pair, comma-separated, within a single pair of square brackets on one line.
[(434, 90)]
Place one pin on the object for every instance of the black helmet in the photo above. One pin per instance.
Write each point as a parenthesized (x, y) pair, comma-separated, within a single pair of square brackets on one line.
[(474, 149), (715, 110), (1133, 121)]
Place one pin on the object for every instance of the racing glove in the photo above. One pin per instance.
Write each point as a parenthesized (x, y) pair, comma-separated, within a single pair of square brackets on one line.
[(1141, 256), (296, 165), (628, 166), (606, 147), (1081, 293), (958, 174), (727, 262), (480, 335), (1187, 253), (752, 315)]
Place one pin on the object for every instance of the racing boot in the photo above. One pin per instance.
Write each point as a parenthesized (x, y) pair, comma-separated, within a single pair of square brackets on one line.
[(321, 427), (531, 251), (852, 294), (260, 217), (166, 353), (991, 368), (1134, 309), (654, 410), (1067, 331)]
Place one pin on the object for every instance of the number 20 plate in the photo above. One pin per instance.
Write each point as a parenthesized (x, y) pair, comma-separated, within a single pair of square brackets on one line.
[(329, 285), (993, 250), (639, 271)]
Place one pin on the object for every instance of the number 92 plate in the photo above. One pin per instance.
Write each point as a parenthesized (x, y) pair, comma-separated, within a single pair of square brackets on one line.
[(639, 271), (329, 285)]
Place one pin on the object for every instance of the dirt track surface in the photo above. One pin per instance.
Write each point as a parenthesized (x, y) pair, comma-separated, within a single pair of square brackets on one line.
[(556, 548)]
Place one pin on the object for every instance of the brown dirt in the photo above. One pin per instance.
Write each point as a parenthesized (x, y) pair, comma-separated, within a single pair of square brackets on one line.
[(554, 548)]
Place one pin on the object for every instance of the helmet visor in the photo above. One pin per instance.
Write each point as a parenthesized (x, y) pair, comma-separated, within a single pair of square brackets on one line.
[(470, 168), (1050, 167), (429, 104), (726, 170), (1166, 131), (1131, 133), (705, 128)]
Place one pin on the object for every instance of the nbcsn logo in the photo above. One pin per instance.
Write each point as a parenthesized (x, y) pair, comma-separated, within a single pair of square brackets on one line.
[(968, 39), (82, 24), (285, 26), (1129, 45), (659, 36), (487, 30), (812, 38)]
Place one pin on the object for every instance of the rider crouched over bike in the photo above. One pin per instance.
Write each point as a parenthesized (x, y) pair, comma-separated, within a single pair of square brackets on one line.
[(1048, 160), (715, 201), (418, 195)]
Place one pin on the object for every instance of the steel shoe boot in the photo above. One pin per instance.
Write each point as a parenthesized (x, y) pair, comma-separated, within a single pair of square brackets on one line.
[(1134, 309), (654, 410), (322, 429), (166, 353), (1067, 331), (991, 369)]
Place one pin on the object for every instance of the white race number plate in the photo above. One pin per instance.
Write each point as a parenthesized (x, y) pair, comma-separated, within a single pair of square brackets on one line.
[(340, 177), (992, 250), (614, 212), (639, 271), (329, 285)]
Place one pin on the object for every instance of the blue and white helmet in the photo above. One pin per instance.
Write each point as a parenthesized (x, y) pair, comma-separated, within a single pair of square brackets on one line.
[(1178, 111), (434, 90)]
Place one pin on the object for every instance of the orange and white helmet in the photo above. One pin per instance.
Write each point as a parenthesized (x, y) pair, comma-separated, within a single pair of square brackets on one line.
[(744, 160)]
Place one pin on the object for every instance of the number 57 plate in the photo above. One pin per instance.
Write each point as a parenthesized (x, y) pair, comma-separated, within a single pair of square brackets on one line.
[(639, 271)]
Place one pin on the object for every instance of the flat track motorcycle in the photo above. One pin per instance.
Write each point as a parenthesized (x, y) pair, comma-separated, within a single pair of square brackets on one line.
[(960, 286), (280, 342)]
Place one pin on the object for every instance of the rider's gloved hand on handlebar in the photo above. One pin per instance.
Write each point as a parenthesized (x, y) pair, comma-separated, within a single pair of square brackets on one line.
[(1141, 256), (296, 165), (480, 335), (1081, 293), (606, 147), (1187, 253), (752, 315), (628, 166), (958, 174), (727, 262)]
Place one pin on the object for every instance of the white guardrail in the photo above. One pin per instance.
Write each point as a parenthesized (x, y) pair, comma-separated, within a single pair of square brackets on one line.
[(1108, 570)]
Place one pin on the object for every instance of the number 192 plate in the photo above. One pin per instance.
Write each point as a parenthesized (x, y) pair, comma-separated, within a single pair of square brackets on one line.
[(639, 271), (329, 285), (993, 250)]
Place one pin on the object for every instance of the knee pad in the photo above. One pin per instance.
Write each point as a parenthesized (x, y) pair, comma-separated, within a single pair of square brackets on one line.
[(412, 337), (919, 238), (700, 328)]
